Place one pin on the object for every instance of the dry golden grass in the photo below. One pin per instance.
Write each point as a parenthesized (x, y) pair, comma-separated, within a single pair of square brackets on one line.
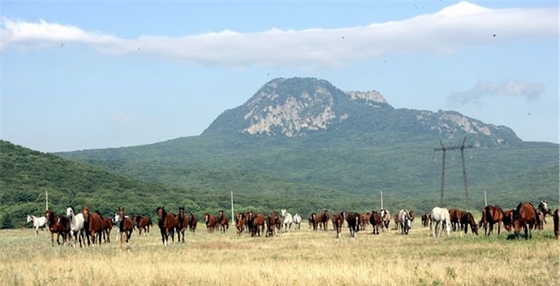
[(302, 257)]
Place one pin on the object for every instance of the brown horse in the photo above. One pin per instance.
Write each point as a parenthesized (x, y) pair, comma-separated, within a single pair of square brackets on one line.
[(143, 223), (271, 222), (223, 221), (397, 221), (466, 220), (338, 222), (426, 218), (94, 220), (525, 216), (181, 223), (321, 220), (126, 227), (240, 223), (555, 219), (375, 220), (167, 224), (490, 216), (353, 220), (455, 216), (211, 222), (255, 223), (192, 221), (311, 221), (107, 227), (58, 224), (363, 220)]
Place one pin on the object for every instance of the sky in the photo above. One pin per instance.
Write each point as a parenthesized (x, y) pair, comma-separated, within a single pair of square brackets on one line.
[(101, 74)]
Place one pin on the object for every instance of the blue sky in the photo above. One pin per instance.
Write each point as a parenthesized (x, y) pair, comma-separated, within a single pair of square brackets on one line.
[(91, 74)]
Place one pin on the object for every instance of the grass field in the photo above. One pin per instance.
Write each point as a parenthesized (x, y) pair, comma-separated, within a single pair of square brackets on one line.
[(302, 257)]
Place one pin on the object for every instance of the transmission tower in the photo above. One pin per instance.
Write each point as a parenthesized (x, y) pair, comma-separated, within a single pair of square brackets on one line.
[(444, 149)]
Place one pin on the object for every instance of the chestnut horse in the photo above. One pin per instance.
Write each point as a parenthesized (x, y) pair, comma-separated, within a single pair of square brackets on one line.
[(490, 216), (126, 227), (166, 223), (211, 222), (455, 216), (271, 222), (525, 216), (59, 225), (192, 221), (94, 222), (255, 222), (426, 219), (143, 223), (240, 223)]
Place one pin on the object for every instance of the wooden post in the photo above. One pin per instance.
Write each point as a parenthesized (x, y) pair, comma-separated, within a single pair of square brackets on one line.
[(232, 213), (46, 200), (381, 199)]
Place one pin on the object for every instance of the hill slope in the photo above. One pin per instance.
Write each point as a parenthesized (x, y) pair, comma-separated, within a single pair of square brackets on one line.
[(305, 131)]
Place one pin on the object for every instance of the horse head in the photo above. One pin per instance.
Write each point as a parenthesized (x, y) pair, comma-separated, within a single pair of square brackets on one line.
[(69, 211), (29, 218), (85, 213)]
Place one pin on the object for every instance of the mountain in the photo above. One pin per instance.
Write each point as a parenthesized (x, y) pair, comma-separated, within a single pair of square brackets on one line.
[(298, 107), (304, 144)]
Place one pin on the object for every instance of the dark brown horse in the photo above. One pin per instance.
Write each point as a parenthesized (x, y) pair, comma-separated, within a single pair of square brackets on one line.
[(223, 221), (525, 216), (426, 218), (271, 222), (467, 220), (192, 221), (375, 220), (363, 220), (126, 227), (58, 224), (240, 223), (181, 224), (94, 220), (555, 219), (353, 220), (143, 223), (167, 223), (490, 216)]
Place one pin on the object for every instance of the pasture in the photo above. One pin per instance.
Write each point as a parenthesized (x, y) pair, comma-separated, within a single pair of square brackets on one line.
[(302, 257)]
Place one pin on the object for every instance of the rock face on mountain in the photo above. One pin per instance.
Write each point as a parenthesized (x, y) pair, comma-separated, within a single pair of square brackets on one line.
[(306, 106)]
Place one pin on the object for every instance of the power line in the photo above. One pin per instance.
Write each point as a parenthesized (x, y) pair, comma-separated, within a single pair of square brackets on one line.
[(444, 149)]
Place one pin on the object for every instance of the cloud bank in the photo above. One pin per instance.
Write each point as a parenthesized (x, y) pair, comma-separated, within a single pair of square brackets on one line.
[(510, 88), (455, 27)]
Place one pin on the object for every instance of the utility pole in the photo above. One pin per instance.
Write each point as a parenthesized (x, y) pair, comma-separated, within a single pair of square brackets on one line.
[(485, 199), (443, 149), (381, 199), (232, 214), (46, 200)]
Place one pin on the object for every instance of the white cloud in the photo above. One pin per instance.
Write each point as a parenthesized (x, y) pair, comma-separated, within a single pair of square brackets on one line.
[(510, 88), (455, 27)]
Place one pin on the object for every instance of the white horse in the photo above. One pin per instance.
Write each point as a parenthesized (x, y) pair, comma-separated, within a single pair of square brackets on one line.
[(287, 220), (440, 216), (38, 222), (77, 222), (405, 221), (297, 220)]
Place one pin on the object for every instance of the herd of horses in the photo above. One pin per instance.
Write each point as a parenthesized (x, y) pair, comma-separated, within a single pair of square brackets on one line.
[(91, 227)]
